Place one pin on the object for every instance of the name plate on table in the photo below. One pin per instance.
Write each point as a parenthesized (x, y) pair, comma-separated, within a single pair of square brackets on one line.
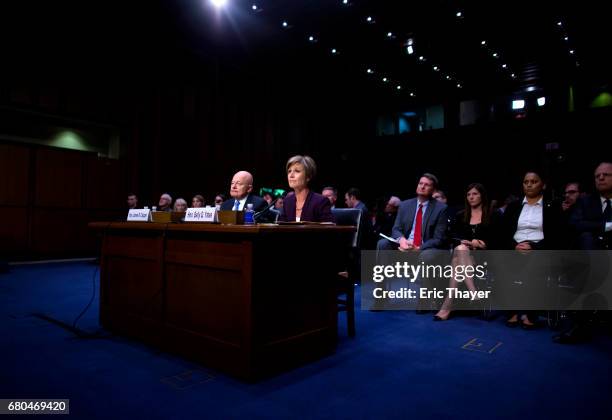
[(139, 215), (201, 214)]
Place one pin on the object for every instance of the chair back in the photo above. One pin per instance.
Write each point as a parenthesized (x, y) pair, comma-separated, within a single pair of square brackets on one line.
[(350, 217)]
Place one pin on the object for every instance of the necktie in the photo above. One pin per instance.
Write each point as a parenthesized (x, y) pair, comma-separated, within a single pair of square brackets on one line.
[(607, 214), (237, 205), (418, 226)]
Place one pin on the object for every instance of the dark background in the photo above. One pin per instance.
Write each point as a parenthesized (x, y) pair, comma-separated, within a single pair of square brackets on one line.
[(194, 97)]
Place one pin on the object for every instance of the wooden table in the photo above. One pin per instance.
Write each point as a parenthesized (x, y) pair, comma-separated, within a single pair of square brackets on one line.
[(247, 300)]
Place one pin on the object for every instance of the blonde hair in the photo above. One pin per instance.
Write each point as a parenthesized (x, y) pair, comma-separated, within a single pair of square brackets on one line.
[(310, 167)]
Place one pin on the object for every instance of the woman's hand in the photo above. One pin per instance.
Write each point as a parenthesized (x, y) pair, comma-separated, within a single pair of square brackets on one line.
[(478, 244)]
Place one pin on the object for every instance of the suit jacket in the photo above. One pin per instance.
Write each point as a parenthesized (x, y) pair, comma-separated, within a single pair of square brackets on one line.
[(552, 226), (588, 222), (258, 203), (435, 222), (317, 208)]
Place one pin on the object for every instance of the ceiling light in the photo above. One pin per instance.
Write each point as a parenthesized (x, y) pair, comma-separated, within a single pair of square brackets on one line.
[(504, 66), (412, 94), (389, 34), (541, 101), (436, 68), (458, 14), (334, 51), (384, 79), (513, 76), (311, 38), (459, 85), (285, 24), (398, 87), (566, 38), (254, 7), (483, 42), (218, 3), (410, 50), (448, 77), (559, 23), (344, 1), (495, 55), (530, 88), (370, 71), (571, 51), (421, 58), (518, 104)]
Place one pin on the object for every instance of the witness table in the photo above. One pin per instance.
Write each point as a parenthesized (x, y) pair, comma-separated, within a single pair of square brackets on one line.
[(246, 300)]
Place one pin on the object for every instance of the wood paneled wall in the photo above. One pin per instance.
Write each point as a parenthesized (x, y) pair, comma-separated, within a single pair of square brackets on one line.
[(47, 197)]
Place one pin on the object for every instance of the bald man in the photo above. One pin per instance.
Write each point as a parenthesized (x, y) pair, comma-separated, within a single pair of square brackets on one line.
[(240, 192)]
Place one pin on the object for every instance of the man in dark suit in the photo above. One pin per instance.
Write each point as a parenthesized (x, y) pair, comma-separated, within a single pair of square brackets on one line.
[(420, 226), (592, 222), (433, 219), (240, 192)]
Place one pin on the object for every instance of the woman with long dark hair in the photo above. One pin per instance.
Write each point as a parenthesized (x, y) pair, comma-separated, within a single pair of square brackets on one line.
[(471, 231)]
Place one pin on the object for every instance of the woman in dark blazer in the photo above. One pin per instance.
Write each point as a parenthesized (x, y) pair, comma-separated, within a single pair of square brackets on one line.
[(303, 205), (532, 223)]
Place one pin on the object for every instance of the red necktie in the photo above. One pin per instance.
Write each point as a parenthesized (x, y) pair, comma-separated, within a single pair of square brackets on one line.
[(417, 227)]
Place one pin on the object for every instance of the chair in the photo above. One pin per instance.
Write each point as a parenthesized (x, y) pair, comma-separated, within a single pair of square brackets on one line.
[(347, 279)]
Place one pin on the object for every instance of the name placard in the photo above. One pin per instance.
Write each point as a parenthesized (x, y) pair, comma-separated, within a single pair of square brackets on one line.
[(139, 215), (201, 214)]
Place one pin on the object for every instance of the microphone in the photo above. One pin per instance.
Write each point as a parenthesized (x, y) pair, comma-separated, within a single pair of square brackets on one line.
[(266, 210)]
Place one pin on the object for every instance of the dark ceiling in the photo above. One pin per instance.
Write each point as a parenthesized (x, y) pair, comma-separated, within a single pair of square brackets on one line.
[(149, 38)]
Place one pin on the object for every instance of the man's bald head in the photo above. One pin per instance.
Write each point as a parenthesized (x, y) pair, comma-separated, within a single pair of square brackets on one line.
[(242, 185), (603, 179)]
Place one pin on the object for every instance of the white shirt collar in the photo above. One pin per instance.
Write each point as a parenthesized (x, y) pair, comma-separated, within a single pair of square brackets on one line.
[(539, 203)]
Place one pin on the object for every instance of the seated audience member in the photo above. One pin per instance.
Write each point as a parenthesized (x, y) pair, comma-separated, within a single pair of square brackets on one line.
[(530, 224), (219, 199), (511, 198), (165, 203), (240, 192), (440, 196), (132, 201), (197, 201), (592, 221), (385, 219), (420, 227), (180, 205), (303, 204), (570, 194), (331, 194), (352, 199), (471, 231), (268, 197)]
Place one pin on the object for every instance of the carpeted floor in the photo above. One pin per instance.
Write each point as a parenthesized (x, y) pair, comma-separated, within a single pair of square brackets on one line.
[(400, 365)]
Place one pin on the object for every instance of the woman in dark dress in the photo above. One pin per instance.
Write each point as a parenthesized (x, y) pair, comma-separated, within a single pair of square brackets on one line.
[(303, 205), (471, 231)]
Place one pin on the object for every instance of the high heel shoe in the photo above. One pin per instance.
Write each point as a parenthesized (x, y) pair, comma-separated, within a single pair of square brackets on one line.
[(439, 318)]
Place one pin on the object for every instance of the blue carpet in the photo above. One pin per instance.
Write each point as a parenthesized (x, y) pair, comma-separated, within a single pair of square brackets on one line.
[(399, 365)]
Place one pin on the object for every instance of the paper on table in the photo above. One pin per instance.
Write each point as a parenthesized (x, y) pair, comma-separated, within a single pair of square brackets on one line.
[(389, 238)]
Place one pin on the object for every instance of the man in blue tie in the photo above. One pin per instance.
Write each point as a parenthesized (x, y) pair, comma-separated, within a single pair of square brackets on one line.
[(240, 192)]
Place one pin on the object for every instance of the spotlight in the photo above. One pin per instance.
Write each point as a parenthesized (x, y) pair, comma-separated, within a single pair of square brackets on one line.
[(448, 77), (566, 38), (312, 39), (571, 51), (513, 75), (410, 50), (459, 85), (421, 58), (483, 42), (542, 101), (334, 51), (412, 94), (530, 88), (504, 66), (459, 14), (370, 71), (384, 79), (218, 3), (436, 68), (369, 19), (495, 55), (559, 23), (285, 24), (344, 1), (254, 7), (518, 104)]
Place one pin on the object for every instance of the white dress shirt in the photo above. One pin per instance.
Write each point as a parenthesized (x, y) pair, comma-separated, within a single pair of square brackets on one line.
[(530, 226), (242, 204)]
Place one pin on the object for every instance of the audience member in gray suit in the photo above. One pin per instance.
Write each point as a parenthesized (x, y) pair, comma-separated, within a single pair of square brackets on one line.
[(428, 237)]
